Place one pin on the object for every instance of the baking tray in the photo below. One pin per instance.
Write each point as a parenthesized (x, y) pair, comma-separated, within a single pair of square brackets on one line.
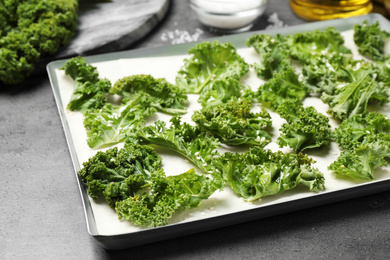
[(113, 234)]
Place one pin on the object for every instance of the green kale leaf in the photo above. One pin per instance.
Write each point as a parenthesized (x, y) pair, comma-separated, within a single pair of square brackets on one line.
[(167, 195), (89, 92), (361, 161), (273, 52), (233, 123), (306, 128), (160, 94), (354, 130), (352, 98), (283, 85), (261, 172), (117, 174), (307, 47), (370, 40), (365, 143), (221, 91), (198, 147), (209, 62), (110, 124)]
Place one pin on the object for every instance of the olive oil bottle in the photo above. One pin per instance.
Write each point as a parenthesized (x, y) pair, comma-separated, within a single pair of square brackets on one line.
[(314, 10)]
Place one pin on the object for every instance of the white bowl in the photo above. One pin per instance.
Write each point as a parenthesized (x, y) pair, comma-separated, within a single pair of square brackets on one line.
[(228, 16)]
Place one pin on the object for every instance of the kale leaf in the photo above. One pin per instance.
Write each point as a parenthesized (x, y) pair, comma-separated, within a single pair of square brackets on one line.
[(273, 52), (167, 195), (198, 147), (118, 174), (233, 123), (209, 62), (133, 183), (159, 93), (110, 124), (361, 88), (89, 92), (285, 84), (365, 140), (306, 128), (370, 40), (261, 172)]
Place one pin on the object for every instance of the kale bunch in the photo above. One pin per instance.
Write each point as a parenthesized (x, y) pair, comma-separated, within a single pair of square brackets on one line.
[(30, 30)]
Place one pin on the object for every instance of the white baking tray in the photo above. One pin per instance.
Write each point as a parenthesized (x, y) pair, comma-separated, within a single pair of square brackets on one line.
[(222, 208)]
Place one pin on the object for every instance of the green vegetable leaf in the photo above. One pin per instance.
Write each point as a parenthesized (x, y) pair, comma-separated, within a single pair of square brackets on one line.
[(365, 140), (220, 92), (354, 130), (110, 124), (307, 47), (283, 85), (353, 98), (328, 72), (233, 123), (361, 161), (118, 174), (169, 194), (198, 147), (209, 62), (159, 93), (273, 52), (370, 40), (261, 172), (306, 128), (89, 92)]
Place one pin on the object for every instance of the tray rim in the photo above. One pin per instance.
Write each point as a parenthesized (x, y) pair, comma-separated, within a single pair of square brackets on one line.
[(127, 240)]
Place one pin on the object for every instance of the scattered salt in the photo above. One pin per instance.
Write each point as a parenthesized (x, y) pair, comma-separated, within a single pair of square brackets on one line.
[(181, 36), (275, 22)]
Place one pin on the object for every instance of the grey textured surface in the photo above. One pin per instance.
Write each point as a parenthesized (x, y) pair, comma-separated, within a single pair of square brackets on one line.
[(41, 215)]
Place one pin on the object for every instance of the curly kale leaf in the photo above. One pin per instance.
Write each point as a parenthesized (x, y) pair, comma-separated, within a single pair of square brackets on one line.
[(209, 62), (261, 172), (167, 195), (352, 131), (307, 47), (89, 92), (306, 128), (160, 94), (362, 88), (132, 181), (198, 147), (118, 174), (365, 140), (361, 161), (370, 40), (283, 85), (31, 30), (78, 69), (221, 91), (110, 124), (273, 52), (233, 123), (328, 73)]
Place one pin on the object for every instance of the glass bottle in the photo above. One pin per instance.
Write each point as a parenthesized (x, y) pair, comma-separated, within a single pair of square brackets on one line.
[(313, 10)]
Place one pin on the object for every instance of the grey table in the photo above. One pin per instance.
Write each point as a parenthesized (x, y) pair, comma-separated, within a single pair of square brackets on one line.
[(41, 215)]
